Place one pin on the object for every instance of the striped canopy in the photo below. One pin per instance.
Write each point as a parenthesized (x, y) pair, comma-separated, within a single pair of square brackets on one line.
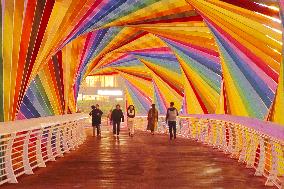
[(207, 56)]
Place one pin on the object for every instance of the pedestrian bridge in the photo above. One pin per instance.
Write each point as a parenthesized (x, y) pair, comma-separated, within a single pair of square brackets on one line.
[(210, 152), (209, 57)]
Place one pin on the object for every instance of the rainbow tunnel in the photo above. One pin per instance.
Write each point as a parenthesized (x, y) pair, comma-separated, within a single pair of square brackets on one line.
[(207, 56)]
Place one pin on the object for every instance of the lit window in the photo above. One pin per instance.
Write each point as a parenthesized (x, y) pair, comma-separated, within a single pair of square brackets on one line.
[(109, 81), (97, 81), (87, 80), (92, 81), (79, 96), (101, 81)]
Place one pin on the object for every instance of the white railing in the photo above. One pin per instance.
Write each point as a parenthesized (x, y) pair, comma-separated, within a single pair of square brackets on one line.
[(258, 144), (27, 144)]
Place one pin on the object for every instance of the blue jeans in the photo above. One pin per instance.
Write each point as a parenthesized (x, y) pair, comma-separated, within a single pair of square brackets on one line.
[(172, 128)]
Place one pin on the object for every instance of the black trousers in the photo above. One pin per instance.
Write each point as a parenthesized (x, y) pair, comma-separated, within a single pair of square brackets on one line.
[(98, 130), (116, 127), (172, 128)]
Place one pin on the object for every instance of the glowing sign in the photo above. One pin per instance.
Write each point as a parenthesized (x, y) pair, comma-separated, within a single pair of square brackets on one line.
[(110, 92)]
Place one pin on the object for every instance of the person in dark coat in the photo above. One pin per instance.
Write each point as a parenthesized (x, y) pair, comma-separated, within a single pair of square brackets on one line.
[(116, 118), (96, 114)]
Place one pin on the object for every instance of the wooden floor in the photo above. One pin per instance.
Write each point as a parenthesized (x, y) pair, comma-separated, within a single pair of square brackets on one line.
[(144, 161)]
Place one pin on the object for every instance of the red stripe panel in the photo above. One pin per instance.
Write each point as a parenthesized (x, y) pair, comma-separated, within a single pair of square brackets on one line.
[(27, 27)]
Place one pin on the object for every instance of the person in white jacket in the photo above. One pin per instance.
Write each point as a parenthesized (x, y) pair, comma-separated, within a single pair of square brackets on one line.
[(171, 119), (130, 119)]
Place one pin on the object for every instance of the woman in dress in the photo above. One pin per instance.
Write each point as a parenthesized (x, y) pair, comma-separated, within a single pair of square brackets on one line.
[(152, 119)]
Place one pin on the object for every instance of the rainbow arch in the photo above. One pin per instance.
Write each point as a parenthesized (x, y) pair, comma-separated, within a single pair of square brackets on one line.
[(217, 57)]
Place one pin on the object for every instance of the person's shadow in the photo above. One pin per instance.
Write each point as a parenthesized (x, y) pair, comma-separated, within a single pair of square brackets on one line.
[(117, 140)]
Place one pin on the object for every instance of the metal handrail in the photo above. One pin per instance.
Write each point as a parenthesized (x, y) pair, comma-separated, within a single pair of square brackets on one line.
[(258, 144), (27, 144)]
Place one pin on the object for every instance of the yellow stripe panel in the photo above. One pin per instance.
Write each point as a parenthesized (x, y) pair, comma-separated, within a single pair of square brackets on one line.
[(277, 110), (57, 15), (211, 97), (49, 89), (18, 18), (193, 106), (168, 93), (248, 14), (236, 105), (7, 55), (145, 86), (157, 9), (168, 74)]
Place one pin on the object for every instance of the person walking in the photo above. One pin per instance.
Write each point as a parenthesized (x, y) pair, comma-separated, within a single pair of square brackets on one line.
[(109, 117), (171, 119), (130, 119), (152, 119), (116, 118), (96, 114)]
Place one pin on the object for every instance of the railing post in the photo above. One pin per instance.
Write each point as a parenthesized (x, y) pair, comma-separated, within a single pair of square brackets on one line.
[(76, 138), (193, 131), (80, 137), (196, 125), (197, 130), (200, 130), (261, 163), (218, 135), (206, 131), (242, 157), (8, 160), (224, 138), (179, 126), (211, 133), (78, 134), (188, 130), (252, 151), (81, 132), (49, 144), (189, 125), (65, 139), (58, 141), (237, 147), (274, 167), (27, 167), (39, 157), (71, 136), (231, 139)]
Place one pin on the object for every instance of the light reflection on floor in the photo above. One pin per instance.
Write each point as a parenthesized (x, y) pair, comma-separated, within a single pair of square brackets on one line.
[(144, 161)]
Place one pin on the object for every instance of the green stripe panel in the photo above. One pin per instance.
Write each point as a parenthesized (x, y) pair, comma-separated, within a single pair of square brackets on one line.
[(37, 90), (44, 95)]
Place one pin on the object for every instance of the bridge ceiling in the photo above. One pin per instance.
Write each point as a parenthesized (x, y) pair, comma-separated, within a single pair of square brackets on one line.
[(207, 56)]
